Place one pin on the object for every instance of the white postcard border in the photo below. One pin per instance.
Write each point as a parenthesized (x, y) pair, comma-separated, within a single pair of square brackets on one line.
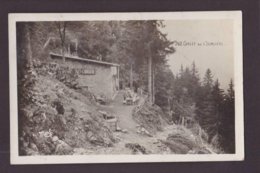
[(236, 16)]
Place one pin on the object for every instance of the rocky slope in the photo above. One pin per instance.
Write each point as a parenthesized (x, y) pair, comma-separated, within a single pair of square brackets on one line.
[(65, 120), (59, 120)]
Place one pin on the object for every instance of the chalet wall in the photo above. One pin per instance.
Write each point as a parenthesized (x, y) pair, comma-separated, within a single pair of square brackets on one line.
[(98, 78)]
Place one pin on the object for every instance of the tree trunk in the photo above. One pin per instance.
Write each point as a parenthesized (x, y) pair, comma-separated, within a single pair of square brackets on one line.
[(62, 33), (153, 86), (131, 76), (69, 49), (76, 48), (150, 89), (63, 52), (150, 74), (28, 49), (182, 121)]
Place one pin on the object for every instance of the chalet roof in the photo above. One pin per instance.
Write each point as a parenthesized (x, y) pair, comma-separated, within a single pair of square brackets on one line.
[(72, 57)]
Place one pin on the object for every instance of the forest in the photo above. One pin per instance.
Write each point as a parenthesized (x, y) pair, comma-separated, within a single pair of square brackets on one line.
[(189, 99)]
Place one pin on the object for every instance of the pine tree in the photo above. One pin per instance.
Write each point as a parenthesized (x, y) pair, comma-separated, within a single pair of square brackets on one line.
[(206, 111), (194, 70), (164, 91), (195, 82), (218, 98), (227, 126), (208, 79), (181, 71), (231, 93)]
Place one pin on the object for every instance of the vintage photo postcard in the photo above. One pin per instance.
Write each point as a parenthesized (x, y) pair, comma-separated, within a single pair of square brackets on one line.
[(126, 87)]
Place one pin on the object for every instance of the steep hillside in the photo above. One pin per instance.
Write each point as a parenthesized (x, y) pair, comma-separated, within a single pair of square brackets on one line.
[(59, 120)]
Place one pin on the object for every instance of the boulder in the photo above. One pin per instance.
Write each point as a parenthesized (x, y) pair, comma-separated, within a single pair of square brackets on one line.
[(124, 131), (30, 152), (33, 147), (176, 147), (39, 116), (62, 148), (55, 139), (137, 148)]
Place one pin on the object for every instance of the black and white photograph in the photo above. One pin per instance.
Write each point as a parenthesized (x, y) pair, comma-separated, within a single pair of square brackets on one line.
[(126, 87)]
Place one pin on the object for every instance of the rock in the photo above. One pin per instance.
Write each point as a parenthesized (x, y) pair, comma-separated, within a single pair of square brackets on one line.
[(25, 144), (62, 120), (91, 137), (176, 147), (60, 91), (59, 107), (118, 129), (82, 151), (55, 138), (117, 138), (107, 142), (44, 142), (124, 130), (143, 131), (30, 152), (62, 148), (200, 151), (33, 147), (46, 134), (156, 142), (27, 113), (39, 116), (203, 152), (90, 134), (136, 148), (79, 151)]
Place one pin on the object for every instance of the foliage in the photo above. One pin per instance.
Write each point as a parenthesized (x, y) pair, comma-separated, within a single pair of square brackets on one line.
[(227, 121), (214, 108), (184, 141), (149, 116), (163, 86), (67, 76)]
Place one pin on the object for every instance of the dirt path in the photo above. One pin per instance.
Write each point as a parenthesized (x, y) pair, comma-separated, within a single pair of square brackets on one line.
[(124, 114)]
